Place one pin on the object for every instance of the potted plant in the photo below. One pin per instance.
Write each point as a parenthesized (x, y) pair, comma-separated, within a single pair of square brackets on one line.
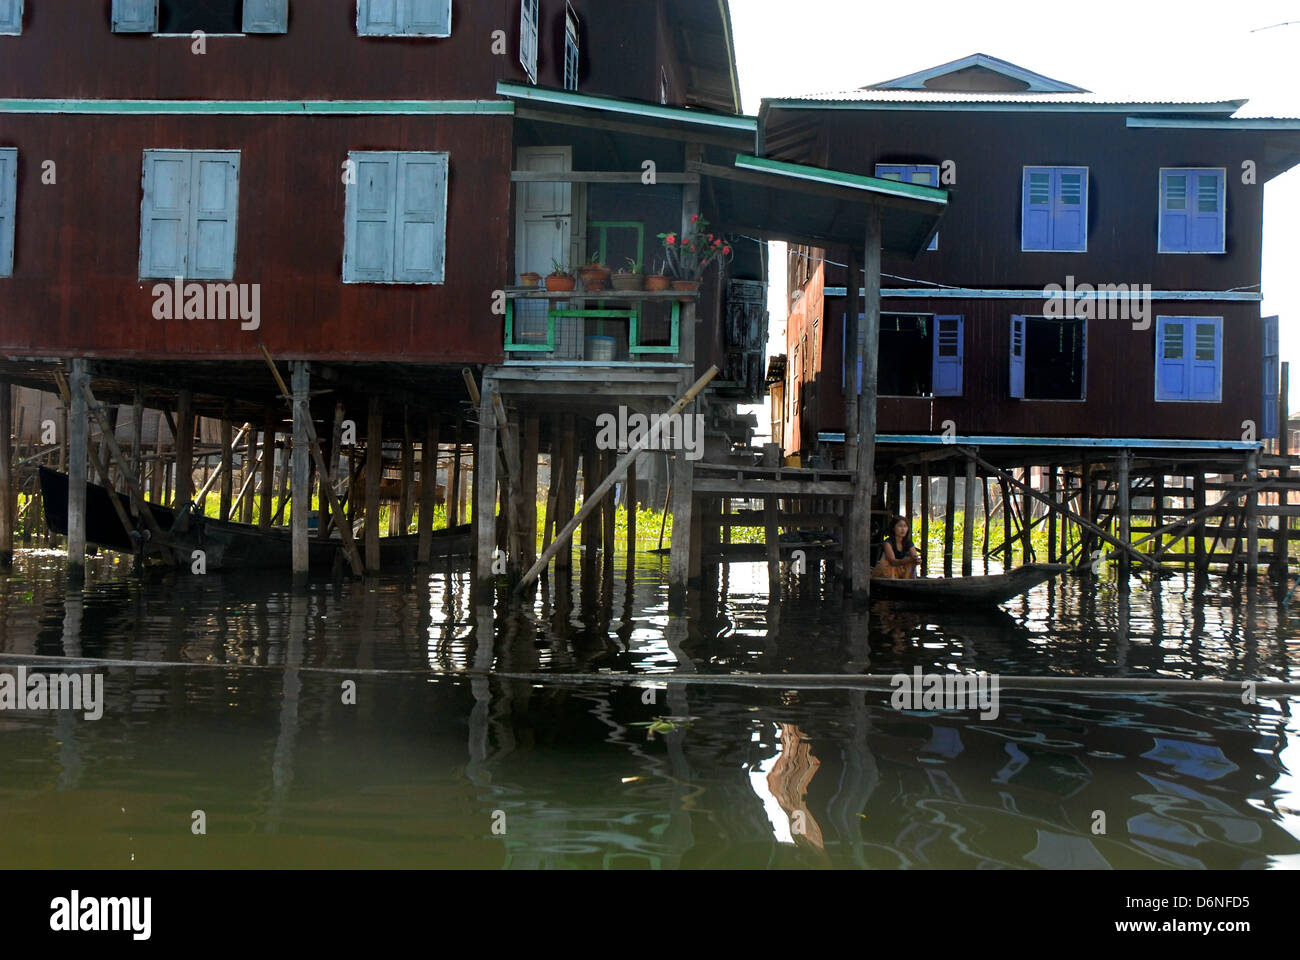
[(691, 253), (560, 279), (595, 275), (659, 280), (631, 277), (530, 279)]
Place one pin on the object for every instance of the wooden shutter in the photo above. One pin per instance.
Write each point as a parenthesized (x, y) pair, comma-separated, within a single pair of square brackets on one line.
[(1018, 348), (369, 226), (378, 18), (1205, 353), (427, 18), (135, 16), (11, 17), (421, 243), (1175, 212), (949, 350), (165, 214), (1171, 358), (266, 16), (214, 214), (1070, 209), (1036, 209), (1268, 422), (528, 30), (1206, 200), (8, 208)]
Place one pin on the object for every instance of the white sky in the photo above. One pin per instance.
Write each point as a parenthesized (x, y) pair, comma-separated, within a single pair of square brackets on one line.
[(1205, 51)]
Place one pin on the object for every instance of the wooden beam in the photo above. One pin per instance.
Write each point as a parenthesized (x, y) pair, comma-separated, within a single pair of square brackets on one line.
[(866, 462), (485, 482), (597, 176), (374, 477), (8, 502), (968, 523), (301, 459), (429, 488)]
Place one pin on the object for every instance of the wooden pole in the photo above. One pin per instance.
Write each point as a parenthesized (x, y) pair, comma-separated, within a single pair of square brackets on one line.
[(1053, 491), (8, 502), (925, 520), (592, 500), (184, 449), (968, 523), (515, 512), (771, 531), (485, 486), (453, 481), (78, 434), (406, 500), (1026, 516), (268, 472), (1281, 540), (949, 515), (227, 458), (251, 464), (428, 488), (567, 491), (301, 377), (528, 486), (868, 349), (607, 521), (374, 476), (1252, 518), (1123, 507), (632, 509)]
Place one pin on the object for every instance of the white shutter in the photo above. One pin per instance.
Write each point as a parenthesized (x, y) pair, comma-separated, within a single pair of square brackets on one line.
[(378, 18), (528, 17), (11, 17), (369, 218), (165, 214), (420, 250), (8, 208), (135, 16), (266, 16), (214, 210), (427, 18), (1019, 346)]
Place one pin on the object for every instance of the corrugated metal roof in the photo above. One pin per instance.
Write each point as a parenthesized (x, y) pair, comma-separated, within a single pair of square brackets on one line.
[(946, 96)]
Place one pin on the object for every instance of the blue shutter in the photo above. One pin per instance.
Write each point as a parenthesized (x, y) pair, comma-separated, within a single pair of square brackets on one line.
[(165, 214), (1268, 422), (1171, 358), (421, 245), (1175, 212), (266, 16), (369, 226), (1070, 210), (1018, 357), (378, 18), (1206, 199), (1205, 354), (11, 17), (927, 175), (214, 210), (8, 208), (948, 353), (427, 18), (1036, 209), (135, 16)]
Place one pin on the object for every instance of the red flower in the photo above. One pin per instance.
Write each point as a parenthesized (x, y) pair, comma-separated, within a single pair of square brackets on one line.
[(695, 218), (726, 251), (670, 239)]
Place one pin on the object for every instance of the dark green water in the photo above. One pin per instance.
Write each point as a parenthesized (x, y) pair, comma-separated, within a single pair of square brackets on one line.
[(491, 741)]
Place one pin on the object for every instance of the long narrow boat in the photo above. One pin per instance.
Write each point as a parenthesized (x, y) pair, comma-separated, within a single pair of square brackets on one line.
[(967, 591), (226, 545)]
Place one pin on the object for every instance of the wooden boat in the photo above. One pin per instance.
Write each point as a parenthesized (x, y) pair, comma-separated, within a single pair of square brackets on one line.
[(226, 545), (967, 591)]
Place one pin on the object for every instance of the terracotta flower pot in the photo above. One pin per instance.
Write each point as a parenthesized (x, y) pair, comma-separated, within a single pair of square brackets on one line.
[(594, 278), (691, 287), (658, 282), (629, 281), (561, 283), (530, 279)]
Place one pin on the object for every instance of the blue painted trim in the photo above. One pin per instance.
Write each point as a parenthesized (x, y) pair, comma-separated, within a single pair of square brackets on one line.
[(261, 107), (565, 98), (1241, 123), (1001, 106), (1116, 443), (967, 293)]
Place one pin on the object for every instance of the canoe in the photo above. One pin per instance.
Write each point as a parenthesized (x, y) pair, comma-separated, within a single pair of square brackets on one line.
[(226, 545), (984, 591)]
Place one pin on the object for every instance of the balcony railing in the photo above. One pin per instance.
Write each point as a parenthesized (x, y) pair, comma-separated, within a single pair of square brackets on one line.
[(617, 305)]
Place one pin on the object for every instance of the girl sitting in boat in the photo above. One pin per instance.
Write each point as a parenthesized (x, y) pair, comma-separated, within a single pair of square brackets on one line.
[(900, 560)]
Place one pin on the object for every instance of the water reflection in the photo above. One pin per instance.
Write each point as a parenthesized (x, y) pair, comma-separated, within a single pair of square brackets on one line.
[(231, 696)]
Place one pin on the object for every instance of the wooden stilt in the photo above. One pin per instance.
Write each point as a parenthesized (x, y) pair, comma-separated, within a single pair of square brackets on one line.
[(184, 449), (485, 488), (78, 434), (265, 506), (567, 491), (1122, 510), (137, 436), (1053, 491), (374, 476), (988, 520), (950, 515), (246, 494), (453, 480), (227, 469), (632, 510), (428, 488), (591, 536), (771, 532), (8, 501), (1252, 519), (405, 512), (968, 523), (925, 521), (300, 458), (285, 469), (1026, 518), (528, 487), (1088, 505), (866, 465), (609, 535), (1008, 550)]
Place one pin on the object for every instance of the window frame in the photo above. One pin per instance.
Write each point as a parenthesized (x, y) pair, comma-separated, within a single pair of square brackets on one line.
[(349, 265), (1189, 347), (934, 241), (191, 213), (16, 28), (9, 190), (934, 354), (1160, 209), (1083, 372), (572, 47), (406, 34), (1087, 200), (243, 32), (530, 69)]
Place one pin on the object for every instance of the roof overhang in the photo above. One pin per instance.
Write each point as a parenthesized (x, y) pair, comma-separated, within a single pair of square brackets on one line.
[(804, 204), (1036, 82), (953, 104), (706, 51), (1274, 141)]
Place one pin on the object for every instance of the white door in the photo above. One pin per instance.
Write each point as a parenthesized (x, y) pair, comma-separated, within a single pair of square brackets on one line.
[(543, 234)]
